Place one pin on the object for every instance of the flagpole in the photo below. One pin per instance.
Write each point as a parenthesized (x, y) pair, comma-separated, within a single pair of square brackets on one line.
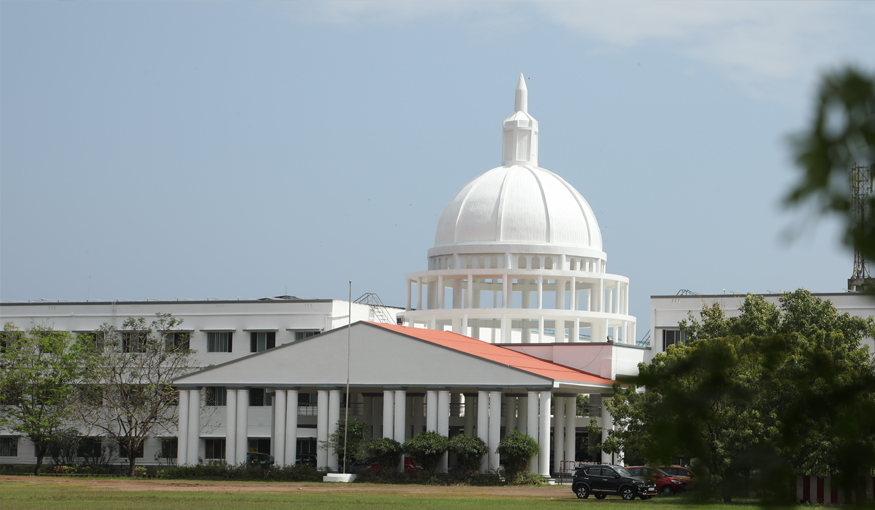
[(348, 334)]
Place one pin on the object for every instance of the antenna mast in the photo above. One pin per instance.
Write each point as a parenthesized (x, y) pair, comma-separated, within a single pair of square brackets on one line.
[(861, 187)]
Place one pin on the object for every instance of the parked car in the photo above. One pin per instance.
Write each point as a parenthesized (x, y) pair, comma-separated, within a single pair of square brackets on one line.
[(665, 484), (602, 480), (262, 459), (306, 458), (684, 473)]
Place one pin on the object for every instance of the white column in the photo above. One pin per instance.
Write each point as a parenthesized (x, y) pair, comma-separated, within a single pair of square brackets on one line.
[(607, 425), (505, 292), (323, 404), (443, 424), (182, 429), (532, 428), (600, 299), (560, 293), (457, 292), (540, 329), (279, 428), (505, 328), (573, 289), (544, 435), (231, 426), (558, 433), (483, 425), (441, 292), (616, 307), (540, 292), (401, 415), (575, 330), (431, 410), (494, 428), (470, 413), (419, 293), (291, 439), (194, 426), (570, 428), (333, 417), (469, 302), (388, 414), (522, 415), (407, 300), (242, 424)]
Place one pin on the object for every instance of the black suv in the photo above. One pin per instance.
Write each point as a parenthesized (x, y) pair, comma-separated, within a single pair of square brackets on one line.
[(604, 480)]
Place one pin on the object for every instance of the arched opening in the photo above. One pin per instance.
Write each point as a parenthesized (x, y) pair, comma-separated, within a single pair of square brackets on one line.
[(521, 263), (548, 263), (536, 262)]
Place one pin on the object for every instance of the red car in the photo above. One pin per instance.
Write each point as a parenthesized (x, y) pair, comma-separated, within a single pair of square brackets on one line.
[(665, 483)]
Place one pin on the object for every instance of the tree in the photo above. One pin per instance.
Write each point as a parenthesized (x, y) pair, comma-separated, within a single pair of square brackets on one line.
[(40, 368), (468, 450), (134, 367), (516, 448), (352, 434), (387, 453), (842, 133), (428, 448), (786, 389)]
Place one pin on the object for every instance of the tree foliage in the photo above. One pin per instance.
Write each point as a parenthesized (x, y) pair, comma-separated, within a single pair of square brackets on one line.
[(387, 453), (40, 367), (515, 449), (427, 447), (785, 389), (132, 398), (842, 133), (350, 437), (468, 450)]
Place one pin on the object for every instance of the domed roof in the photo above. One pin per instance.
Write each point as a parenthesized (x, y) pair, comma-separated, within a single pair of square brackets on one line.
[(518, 205)]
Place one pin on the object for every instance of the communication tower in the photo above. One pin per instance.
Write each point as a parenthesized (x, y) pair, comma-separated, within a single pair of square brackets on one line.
[(861, 187)]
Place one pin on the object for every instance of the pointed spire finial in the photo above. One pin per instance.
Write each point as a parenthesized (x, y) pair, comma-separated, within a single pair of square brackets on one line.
[(522, 95)]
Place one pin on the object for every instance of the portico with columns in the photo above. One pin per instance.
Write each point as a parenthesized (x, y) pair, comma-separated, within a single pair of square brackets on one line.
[(402, 381)]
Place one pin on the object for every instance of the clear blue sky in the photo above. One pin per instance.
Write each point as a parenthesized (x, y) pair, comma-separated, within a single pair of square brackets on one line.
[(193, 149)]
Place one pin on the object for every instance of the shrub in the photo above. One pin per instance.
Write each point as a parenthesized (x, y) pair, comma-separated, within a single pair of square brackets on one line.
[(516, 449), (469, 450), (428, 448), (387, 453)]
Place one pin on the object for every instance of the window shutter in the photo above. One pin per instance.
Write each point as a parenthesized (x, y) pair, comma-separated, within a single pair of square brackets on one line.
[(253, 342), (271, 340)]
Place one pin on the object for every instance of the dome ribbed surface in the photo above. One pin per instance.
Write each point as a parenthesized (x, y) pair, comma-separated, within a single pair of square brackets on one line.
[(518, 205)]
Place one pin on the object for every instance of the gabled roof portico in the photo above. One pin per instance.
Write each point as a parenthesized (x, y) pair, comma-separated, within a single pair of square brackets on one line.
[(394, 362)]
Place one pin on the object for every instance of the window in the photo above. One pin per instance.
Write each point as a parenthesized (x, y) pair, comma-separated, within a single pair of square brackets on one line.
[(6, 337), (8, 447), (300, 335), (89, 448), (90, 394), (261, 341), (219, 341), (217, 396), (177, 341), (259, 398), (259, 446), (215, 449), (123, 451), (169, 447), (134, 341), (92, 339), (672, 337)]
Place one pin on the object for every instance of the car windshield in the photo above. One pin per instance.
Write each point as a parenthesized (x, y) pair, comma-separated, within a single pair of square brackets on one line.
[(663, 473), (622, 471)]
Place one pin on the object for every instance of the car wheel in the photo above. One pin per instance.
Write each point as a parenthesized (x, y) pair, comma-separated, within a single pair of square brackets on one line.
[(667, 490), (601, 496), (627, 493), (582, 491)]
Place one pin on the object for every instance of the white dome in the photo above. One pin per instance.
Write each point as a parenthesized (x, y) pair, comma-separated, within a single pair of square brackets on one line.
[(514, 205)]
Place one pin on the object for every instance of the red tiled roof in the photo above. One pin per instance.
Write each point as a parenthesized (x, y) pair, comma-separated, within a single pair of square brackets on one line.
[(498, 354)]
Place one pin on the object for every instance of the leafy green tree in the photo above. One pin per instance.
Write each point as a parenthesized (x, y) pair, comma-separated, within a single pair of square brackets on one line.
[(134, 368), (785, 389), (40, 368), (516, 448), (468, 450), (350, 437), (427, 447), (842, 133), (387, 453)]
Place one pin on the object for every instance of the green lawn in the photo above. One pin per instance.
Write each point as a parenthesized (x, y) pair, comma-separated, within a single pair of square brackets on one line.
[(53, 494)]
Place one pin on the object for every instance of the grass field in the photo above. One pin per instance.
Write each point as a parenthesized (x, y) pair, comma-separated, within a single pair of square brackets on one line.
[(28, 493)]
